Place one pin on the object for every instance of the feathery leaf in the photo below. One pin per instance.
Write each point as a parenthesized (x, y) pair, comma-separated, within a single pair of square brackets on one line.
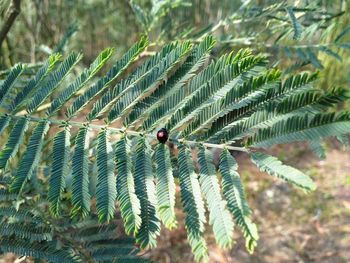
[(104, 82), (80, 174), (165, 186), (14, 141), (106, 180), (21, 215), (215, 88), (149, 83), (112, 95), (59, 169), (129, 203), (4, 122), (252, 91), (317, 148), (195, 60), (38, 250), (34, 83), (219, 216), (5, 195), (31, 232), (10, 81), (302, 128), (31, 157), (55, 78), (271, 92), (146, 192), (295, 23), (79, 82), (193, 204), (274, 167), (234, 194)]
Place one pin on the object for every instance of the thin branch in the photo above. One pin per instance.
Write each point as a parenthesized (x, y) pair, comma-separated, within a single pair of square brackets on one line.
[(13, 12), (218, 146), (134, 133)]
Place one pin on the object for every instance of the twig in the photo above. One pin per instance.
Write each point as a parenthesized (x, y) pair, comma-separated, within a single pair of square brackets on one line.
[(134, 133)]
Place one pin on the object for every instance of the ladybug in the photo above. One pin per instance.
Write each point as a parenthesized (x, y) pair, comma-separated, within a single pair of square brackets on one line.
[(162, 135)]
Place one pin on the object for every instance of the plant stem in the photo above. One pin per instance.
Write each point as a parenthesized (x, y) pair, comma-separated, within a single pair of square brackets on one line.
[(134, 133)]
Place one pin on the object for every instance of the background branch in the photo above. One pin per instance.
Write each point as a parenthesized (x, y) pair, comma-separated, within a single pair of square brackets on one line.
[(13, 12)]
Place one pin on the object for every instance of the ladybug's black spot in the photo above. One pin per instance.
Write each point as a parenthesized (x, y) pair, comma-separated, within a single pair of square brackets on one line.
[(162, 135)]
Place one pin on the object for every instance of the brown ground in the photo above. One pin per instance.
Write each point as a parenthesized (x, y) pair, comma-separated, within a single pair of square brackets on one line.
[(293, 226)]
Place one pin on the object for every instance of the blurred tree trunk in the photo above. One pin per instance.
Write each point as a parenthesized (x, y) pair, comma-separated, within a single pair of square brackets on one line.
[(13, 12)]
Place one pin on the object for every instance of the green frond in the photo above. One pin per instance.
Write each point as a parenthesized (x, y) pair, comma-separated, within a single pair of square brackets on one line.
[(165, 186), (96, 233), (215, 88), (331, 53), (104, 82), (79, 82), (115, 250), (80, 174), (149, 83), (38, 250), (55, 78), (193, 204), (115, 254), (141, 16), (146, 193), (60, 169), (69, 32), (5, 179), (20, 215), (5, 195), (302, 128), (81, 225), (173, 100), (274, 92), (4, 122), (31, 232), (274, 167), (31, 157), (317, 148), (106, 180), (14, 141), (8, 84), (297, 27), (195, 60), (34, 84), (108, 99), (128, 201), (177, 98), (329, 99), (234, 194), (299, 81), (343, 139), (264, 115), (110, 243), (312, 57), (219, 216), (244, 94)]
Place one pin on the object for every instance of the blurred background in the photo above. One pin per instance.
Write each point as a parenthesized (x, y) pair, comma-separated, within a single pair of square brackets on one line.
[(296, 35)]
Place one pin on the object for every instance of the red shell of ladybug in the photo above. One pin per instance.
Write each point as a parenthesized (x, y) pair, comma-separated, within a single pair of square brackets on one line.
[(162, 135)]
